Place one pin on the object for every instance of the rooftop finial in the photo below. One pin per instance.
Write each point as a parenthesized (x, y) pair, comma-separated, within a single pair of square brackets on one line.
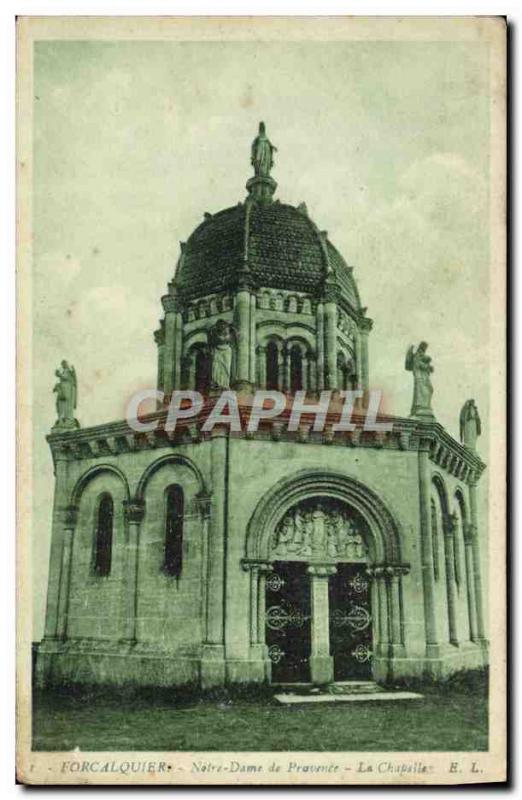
[(261, 187)]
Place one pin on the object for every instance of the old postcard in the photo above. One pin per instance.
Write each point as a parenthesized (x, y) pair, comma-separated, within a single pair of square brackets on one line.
[(261, 394)]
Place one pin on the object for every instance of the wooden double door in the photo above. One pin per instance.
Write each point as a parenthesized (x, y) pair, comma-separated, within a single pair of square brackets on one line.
[(288, 622)]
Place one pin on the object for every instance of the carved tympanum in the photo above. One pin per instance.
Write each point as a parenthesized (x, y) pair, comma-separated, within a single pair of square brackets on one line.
[(319, 529)]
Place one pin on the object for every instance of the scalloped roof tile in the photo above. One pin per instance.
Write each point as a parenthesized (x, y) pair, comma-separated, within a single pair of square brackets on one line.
[(282, 246)]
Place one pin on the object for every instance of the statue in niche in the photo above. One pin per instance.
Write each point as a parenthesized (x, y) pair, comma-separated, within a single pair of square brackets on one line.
[(262, 153), (220, 339), (418, 362), (66, 396), (470, 425)]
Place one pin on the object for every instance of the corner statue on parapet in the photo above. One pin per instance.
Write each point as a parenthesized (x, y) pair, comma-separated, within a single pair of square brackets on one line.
[(262, 153), (470, 425), (66, 396), (418, 362)]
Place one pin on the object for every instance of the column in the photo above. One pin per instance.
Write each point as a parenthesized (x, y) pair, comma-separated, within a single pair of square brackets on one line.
[(169, 306), (258, 572), (384, 621), (358, 360), (451, 593), (321, 662), (477, 565), (320, 346), (253, 339), (287, 367), (242, 320), (71, 516), (212, 661), (280, 367), (57, 543), (263, 571), (430, 619), (134, 511), (365, 326), (470, 583), (261, 366), (204, 501), (159, 338), (395, 577), (330, 328), (304, 373), (178, 349)]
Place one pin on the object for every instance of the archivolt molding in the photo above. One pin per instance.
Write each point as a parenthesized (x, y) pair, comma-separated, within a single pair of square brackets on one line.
[(93, 472), (384, 530), (170, 459)]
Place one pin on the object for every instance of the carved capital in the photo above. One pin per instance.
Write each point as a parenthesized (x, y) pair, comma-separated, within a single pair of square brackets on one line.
[(450, 524), (70, 517), (404, 440), (134, 510), (330, 292), (169, 303), (396, 570), (245, 279), (203, 501), (470, 532), (321, 570), (264, 567), (365, 325)]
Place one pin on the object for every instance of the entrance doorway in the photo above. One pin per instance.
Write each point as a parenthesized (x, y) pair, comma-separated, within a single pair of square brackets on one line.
[(288, 622), (350, 623)]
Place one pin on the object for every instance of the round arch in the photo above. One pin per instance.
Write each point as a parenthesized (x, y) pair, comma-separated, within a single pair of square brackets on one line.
[(382, 525), (93, 472), (170, 459), (461, 502), (438, 482)]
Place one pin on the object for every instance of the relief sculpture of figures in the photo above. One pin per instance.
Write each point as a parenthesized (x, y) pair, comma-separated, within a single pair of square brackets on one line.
[(66, 394), (420, 364), (470, 425), (325, 533), (220, 339), (262, 153)]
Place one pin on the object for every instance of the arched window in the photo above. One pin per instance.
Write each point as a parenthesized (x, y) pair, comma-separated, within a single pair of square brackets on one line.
[(103, 536), (435, 539), (272, 366), (296, 369), (202, 371), (173, 530)]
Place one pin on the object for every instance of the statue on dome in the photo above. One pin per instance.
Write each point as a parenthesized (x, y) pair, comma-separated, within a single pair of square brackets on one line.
[(470, 425), (220, 339), (66, 395), (262, 153), (418, 362)]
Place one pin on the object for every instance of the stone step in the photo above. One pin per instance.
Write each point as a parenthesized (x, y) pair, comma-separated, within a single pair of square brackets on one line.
[(338, 687), (326, 697)]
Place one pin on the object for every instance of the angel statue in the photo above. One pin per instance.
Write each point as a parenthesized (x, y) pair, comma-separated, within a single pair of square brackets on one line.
[(262, 153), (66, 394), (420, 364), (470, 426), (220, 339)]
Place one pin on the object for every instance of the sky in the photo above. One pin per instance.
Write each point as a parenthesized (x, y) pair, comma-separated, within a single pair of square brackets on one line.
[(386, 142)]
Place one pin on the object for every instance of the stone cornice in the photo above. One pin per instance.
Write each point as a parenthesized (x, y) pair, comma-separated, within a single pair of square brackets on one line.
[(407, 435)]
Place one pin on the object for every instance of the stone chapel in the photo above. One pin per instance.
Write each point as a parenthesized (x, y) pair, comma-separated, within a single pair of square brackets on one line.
[(275, 556)]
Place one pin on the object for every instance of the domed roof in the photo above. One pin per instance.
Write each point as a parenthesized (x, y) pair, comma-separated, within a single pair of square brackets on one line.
[(277, 243)]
